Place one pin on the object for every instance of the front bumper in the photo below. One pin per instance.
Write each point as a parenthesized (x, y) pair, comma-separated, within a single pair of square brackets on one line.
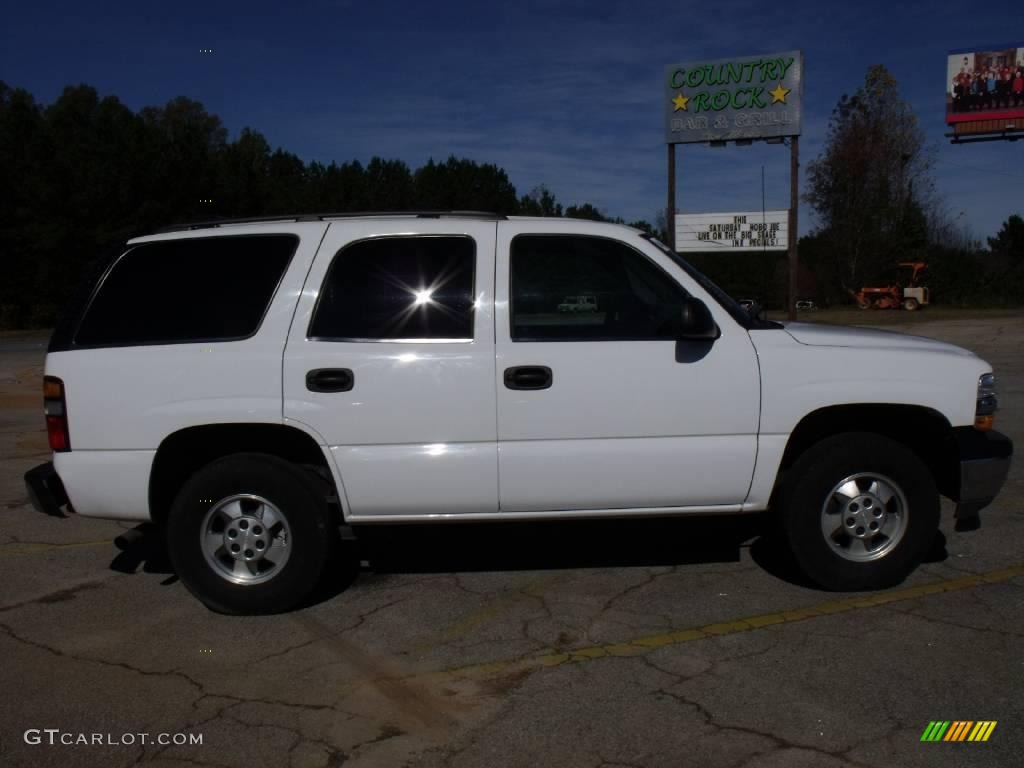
[(45, 490), (984, 465)]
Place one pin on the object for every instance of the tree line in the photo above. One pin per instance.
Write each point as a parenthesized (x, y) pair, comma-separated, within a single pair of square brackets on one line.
[(85, 173)]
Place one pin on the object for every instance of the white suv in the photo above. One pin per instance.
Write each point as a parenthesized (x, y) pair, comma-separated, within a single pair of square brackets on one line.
[(252, 386)]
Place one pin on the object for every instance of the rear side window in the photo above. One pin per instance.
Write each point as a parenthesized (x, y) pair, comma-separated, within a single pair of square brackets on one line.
[(416, 288), (196, 289)]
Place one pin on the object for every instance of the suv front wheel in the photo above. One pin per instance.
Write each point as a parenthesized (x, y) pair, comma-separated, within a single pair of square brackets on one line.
[(859, 511), (249, 533)]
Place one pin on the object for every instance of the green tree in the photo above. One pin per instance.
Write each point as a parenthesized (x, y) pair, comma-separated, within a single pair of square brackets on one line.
[(24, 237), (243, 176), (585, 211), (871, 183), (187, 143), (287, 181), (1008, 243), (95, 176), (460, 184), (342, 188), (1005, 281), (540, 202), (389, 185)]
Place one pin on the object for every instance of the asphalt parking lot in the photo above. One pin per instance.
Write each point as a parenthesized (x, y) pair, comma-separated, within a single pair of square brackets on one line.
[(607, 644)]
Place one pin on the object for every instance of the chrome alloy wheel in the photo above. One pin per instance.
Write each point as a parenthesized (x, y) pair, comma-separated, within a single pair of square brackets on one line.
[(864, 517), (245, 539)]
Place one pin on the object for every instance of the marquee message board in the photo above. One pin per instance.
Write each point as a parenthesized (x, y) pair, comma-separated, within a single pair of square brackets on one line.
[(753, 97), (744, 231)]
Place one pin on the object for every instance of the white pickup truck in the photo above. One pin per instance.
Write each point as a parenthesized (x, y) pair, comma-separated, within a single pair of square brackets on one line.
[(254, 385)]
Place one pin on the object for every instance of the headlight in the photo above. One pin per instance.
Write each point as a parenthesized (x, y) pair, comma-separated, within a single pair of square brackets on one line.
[(987, 404)]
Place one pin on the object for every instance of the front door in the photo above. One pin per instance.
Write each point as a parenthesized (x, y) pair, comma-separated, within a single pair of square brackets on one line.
[(390, 360), (601, 408)]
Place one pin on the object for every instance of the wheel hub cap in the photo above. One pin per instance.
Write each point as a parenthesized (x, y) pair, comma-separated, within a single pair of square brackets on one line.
[(864, 517), (245, 539)]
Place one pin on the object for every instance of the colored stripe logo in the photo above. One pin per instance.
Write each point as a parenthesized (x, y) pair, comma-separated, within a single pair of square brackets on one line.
[(959, 730)]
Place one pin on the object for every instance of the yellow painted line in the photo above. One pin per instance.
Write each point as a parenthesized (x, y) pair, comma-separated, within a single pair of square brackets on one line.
[(643, 645), (488, 612), (17, 548), (988, 731)]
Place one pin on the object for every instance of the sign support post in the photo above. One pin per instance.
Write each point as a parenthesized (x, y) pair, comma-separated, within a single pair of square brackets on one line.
[(670, 209), (794, 204)]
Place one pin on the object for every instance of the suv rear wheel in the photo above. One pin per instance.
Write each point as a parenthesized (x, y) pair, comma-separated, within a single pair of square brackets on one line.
[(859, 511), (250, 533)]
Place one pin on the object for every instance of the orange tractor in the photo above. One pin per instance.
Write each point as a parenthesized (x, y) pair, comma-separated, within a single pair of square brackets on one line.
[(910, 297)]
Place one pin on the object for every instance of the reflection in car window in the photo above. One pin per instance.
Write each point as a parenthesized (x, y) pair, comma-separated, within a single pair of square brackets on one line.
[(398, 288), (573, 287)]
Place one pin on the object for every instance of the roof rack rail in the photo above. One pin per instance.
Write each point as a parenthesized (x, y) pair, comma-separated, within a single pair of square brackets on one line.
[(483, 215)]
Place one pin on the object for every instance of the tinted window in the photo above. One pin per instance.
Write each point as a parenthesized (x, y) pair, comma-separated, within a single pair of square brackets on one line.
[(589, 288), (398, 288), (203, 289)]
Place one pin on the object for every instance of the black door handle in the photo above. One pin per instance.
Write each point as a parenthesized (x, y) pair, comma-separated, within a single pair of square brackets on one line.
[(528, 377), (330, 380)]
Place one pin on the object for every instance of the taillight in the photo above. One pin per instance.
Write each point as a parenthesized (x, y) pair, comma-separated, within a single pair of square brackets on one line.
[(55, 408)]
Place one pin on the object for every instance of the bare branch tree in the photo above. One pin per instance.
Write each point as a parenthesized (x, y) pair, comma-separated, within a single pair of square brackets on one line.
[(871, 185)]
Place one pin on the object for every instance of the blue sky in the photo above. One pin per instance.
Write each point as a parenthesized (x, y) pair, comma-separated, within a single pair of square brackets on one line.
[(565, 93)]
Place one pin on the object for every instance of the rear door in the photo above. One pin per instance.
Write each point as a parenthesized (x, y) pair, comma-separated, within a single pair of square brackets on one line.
[(603, 408), (390, 360)]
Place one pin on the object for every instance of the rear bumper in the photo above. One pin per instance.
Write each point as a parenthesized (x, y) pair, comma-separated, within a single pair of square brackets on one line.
[(45, 490), (984, 465)]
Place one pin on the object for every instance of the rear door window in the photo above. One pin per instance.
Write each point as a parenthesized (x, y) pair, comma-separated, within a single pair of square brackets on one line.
[(417, 288)]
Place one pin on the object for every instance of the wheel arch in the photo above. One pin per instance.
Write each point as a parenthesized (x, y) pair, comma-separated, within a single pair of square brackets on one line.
[(923, 430), (184, 452)]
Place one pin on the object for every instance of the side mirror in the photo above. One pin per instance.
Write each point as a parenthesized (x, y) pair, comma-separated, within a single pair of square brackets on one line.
[(696, 322)]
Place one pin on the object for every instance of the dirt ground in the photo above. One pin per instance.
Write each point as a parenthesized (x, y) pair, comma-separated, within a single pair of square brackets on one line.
[(606, 644)]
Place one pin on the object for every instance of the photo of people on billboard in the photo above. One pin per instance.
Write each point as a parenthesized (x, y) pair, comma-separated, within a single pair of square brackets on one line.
[(985, 84)]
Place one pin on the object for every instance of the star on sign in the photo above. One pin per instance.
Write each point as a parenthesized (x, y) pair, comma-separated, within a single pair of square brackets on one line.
[(680, 102), (779, 94)]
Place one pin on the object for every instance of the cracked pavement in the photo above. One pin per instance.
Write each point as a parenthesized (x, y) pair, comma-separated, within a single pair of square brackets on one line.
[(599, 645)]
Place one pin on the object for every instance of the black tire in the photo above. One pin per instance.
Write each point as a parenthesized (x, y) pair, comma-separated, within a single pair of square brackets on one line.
[(809, 484), (298, 499)]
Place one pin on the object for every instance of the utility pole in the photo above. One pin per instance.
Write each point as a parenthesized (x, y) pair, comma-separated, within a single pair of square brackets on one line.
[(794, 202), (670, 207)]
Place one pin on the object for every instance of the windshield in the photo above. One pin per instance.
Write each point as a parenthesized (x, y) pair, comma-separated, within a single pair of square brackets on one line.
[(728, 303)]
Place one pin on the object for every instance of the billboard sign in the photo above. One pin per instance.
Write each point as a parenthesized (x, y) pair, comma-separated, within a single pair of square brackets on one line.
[(985, 84), (744, 231), (753, 97)]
